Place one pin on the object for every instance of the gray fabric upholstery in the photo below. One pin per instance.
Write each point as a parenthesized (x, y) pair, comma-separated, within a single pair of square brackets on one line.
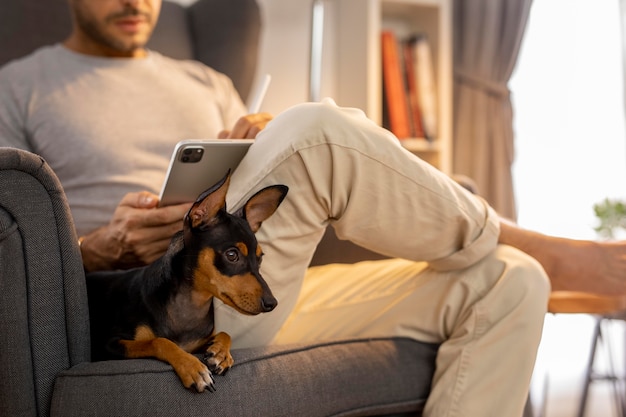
[(237, 21), (334, 250), (215, 32), (346, 378), (17, 389), (27, 25), (44, 310)]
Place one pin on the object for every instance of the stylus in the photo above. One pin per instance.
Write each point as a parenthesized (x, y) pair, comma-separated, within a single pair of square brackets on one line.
[(259, 95)]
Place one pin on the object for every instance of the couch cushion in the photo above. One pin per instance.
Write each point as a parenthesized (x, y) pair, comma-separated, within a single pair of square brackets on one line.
[(350, 378)]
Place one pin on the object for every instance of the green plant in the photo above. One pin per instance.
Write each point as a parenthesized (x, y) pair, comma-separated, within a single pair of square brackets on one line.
[(612, 216)]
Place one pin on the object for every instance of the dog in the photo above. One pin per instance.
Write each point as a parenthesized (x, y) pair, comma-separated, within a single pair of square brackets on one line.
[(165, 310)]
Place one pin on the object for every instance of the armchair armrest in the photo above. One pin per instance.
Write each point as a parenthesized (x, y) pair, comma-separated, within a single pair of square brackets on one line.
[(44, 327)]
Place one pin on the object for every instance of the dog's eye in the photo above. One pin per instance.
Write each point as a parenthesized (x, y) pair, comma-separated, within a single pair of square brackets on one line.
[(232, 255)]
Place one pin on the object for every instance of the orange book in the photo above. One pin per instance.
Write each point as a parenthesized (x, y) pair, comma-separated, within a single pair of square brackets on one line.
[(395, 94)]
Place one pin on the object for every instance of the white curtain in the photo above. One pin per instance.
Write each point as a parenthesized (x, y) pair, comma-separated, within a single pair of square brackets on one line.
[(488, 34)]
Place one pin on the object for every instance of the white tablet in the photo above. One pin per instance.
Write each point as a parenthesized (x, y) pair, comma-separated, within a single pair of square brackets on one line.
[(197, 164)]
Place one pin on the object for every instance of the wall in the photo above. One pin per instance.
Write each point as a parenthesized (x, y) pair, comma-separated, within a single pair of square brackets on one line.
[(284, 51)]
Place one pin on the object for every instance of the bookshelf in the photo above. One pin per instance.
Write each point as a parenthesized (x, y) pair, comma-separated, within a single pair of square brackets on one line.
[(359, 68)]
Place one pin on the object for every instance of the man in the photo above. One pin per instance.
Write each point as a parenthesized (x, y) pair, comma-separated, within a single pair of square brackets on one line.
[(105, 113)]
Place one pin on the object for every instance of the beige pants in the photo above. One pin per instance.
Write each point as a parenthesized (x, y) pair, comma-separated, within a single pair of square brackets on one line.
[(451, 284)]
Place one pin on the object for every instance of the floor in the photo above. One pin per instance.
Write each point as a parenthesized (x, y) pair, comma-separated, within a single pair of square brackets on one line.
[(559, 374)]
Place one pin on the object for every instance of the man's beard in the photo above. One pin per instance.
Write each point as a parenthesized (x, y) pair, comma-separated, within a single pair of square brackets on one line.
[(94, 31)]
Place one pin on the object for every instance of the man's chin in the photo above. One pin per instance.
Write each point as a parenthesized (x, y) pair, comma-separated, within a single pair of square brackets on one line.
[(129, 47)]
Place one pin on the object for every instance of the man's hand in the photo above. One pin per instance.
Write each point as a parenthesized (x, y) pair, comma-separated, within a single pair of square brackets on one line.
[(138, 234), (247, 127)]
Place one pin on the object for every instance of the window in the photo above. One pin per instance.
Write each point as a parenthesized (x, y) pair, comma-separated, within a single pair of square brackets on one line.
[(567, 93)]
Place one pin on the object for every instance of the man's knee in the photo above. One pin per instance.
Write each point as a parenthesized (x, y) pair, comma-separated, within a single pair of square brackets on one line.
[(525, 284)]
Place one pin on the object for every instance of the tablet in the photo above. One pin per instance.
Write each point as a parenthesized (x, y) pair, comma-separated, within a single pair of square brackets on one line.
[(197, 164)]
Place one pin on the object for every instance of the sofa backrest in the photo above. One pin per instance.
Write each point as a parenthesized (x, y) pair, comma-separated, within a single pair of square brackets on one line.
[(222, 34)]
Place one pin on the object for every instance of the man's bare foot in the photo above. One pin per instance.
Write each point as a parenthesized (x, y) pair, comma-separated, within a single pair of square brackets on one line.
[(573, 265)]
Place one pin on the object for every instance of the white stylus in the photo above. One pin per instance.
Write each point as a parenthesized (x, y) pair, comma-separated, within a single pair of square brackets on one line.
[(257, 99)]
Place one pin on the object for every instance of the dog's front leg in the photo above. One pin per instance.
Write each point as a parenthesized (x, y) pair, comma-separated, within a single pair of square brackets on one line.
[(191, 371), (218, 355)]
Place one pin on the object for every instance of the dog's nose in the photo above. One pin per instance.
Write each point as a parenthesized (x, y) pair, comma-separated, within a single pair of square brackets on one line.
[(269, 303)]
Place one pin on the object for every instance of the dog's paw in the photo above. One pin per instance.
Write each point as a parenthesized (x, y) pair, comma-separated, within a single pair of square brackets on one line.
[(218, 360), (195, 375), (217, 356)]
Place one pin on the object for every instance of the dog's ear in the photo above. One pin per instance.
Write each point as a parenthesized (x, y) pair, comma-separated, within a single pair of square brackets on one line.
[(208, 204), (262, 205)]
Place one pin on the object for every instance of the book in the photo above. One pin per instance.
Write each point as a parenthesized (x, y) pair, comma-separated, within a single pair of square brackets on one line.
[(426, 85), (395, 99), (415, 111)]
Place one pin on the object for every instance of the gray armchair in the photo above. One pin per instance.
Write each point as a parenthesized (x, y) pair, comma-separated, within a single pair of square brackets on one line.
[(45, 368)]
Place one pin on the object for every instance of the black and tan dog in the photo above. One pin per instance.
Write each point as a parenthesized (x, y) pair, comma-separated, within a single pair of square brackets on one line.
[(165, 310)]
